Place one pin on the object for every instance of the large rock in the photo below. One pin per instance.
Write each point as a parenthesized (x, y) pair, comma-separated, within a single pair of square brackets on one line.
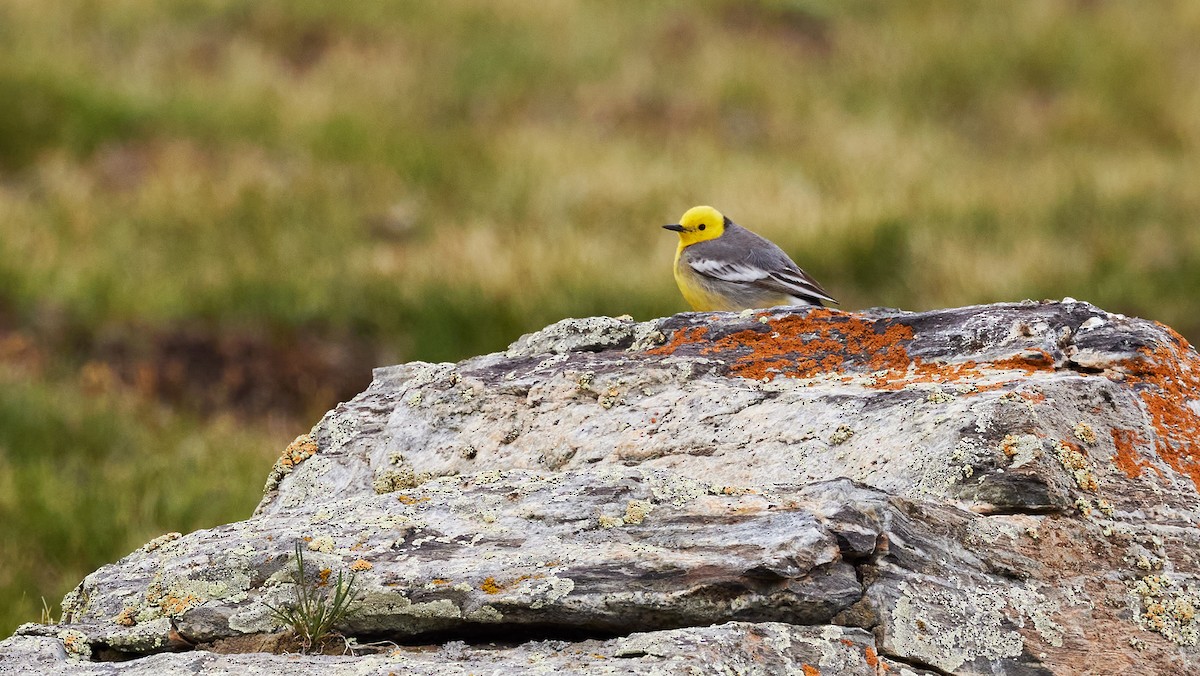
[(1004, 489)]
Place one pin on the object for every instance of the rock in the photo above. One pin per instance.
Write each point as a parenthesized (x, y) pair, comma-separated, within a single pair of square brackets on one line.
[(754, 649), (1002, 489)]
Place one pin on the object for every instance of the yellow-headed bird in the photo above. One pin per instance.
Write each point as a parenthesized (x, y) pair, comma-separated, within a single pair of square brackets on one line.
[(720, 265)]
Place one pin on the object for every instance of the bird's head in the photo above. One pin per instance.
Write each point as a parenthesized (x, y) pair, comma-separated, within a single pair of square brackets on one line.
[(699, 224)]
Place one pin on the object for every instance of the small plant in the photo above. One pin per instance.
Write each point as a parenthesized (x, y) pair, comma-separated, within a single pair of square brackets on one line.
[(316, 610)]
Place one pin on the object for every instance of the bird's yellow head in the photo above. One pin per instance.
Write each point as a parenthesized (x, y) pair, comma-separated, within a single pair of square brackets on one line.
[(698, 224)]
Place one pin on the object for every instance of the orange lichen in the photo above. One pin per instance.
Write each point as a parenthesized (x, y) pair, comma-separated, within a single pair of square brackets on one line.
[(1009, 445), (491, 586), (810, 670), (323, 577), (825, 342), (1170, 375), (1030, 361), (801, 346), (360, 565), (177, 605), (410, 500), (1127, 459), (301, 449), (873, 660), (440, 580), (125, 618), (681, 337)]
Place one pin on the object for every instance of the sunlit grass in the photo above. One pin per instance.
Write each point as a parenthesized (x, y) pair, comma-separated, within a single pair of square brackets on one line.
[(438, 178)]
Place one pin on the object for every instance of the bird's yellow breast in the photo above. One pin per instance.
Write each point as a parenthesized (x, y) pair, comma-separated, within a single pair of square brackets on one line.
[(693, 288)]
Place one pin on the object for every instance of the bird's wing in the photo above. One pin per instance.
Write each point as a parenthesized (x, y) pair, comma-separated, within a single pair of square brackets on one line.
[(798, 283), (728, 271), (743, 257), (777, 273), (783, 273)]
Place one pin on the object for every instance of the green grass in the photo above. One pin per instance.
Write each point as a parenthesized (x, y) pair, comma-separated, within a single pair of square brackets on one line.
[(438, 178), (86, 477)]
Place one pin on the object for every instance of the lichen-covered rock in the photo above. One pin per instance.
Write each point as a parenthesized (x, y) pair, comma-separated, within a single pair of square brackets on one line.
[(1010, 407), (1004, 489), (752, 649)]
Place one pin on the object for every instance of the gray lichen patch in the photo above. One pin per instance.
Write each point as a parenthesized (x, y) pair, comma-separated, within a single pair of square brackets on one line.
[(949, 627), (1021, 449), (590, 334)]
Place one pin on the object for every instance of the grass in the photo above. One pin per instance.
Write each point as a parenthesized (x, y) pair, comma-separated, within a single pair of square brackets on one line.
[(434, 179), (318, 608), (88, 476)]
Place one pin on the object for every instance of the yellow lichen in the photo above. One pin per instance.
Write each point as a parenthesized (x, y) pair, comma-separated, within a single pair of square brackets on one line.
[(1167, 609), (611, 521), (1085, 433), (76, 644), (841, 435), (322, 543), (609, 398), (1076, 461), (1084, 506), (939, 397), (360, 565), (636, 511)]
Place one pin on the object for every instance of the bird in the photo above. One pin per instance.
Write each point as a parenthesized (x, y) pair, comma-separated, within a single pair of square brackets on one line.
[(719, 265)]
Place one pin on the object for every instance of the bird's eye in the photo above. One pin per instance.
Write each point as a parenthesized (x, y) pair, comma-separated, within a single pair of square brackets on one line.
[(701, 227)]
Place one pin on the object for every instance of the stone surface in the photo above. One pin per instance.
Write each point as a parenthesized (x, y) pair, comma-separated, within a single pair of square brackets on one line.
[(758, 649), (1003, 489)]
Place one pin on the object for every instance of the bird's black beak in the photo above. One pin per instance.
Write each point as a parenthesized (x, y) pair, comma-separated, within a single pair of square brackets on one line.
[(674, 226)]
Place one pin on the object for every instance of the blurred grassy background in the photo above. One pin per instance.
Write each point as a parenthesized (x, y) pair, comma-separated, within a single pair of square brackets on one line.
[(216, 216)]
